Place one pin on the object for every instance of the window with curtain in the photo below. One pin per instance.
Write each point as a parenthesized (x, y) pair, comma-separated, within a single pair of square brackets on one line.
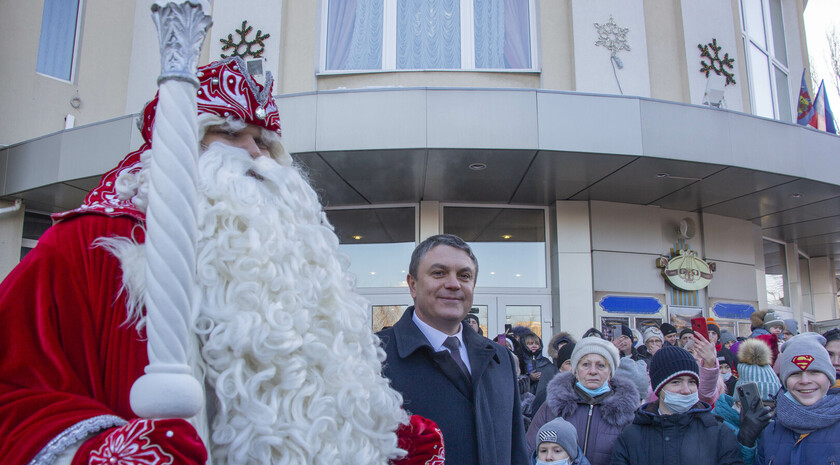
[(763, 33), (428, 34), (57, 44)]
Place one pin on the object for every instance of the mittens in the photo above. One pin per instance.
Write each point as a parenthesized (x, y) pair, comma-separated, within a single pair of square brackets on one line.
[(144, 442)]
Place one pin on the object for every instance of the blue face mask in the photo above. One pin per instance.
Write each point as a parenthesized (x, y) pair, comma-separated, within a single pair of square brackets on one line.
[(679, 403), (594, 392), (556, 462)]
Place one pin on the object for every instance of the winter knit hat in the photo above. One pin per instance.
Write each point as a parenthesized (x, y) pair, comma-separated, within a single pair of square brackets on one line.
[(593, 332), (806, 352), (713, 326), (667, 328), (626, 331), (560, 431), (670, 362), (636, 372), (770, 320), (596, 345), (726, 356), (685, 331), (754, 366), (726, 336), (792, 326), (652, 333), (565, 353), (472, 316)]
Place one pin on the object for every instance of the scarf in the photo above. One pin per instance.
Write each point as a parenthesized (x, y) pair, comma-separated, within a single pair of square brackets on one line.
[(801, 419)]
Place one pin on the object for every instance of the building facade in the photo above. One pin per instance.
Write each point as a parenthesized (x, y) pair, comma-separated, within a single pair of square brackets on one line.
[(579, 146)]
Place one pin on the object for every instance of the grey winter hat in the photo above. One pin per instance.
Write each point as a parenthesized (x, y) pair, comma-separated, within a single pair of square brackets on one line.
[(653, 332), (636, 372), (726, 336), (560, 431), (596, 345), (770, 320), (806, 352), (792, 326)]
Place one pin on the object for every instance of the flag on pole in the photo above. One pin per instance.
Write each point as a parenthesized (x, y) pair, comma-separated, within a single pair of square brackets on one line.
[(805, 109), (822, 118)]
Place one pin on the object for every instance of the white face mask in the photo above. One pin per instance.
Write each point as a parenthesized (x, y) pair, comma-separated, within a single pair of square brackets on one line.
[(679, 403), (725, 376), (556, 462)]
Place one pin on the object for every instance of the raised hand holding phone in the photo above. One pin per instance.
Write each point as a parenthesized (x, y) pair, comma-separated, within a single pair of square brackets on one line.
[(754, 415)]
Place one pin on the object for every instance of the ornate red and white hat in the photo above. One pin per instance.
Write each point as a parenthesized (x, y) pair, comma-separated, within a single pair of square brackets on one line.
[(225, 89)]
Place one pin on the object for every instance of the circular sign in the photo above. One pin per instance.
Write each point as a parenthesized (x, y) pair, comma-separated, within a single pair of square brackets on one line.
[(687, 272)]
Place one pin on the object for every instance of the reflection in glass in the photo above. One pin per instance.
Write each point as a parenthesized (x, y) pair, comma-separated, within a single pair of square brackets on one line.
[(385, 316), (509, 243), (760, 80), (775, 273), (378, 243), (524, 315)]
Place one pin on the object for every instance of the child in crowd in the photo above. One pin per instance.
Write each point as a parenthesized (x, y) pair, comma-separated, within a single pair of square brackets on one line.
[(557, 445), (534, 363)]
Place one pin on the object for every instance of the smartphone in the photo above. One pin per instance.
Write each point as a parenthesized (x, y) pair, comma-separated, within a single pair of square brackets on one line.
[(698, 325), (748, 396), (616, 331)]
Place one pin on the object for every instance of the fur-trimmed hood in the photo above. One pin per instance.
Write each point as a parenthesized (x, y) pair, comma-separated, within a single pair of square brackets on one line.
[(617, 409)]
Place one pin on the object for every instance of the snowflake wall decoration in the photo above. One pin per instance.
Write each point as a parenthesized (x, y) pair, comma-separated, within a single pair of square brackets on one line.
[(716, 63), (229, 44), (613, 38)]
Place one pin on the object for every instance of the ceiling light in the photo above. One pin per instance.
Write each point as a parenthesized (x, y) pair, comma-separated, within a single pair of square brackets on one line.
[(518, 275), (357, 237), (797, 195), (663, 175), (478, 166), (506, 236)]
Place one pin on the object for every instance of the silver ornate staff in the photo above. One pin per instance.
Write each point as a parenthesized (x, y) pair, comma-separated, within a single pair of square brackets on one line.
[(168, 389)]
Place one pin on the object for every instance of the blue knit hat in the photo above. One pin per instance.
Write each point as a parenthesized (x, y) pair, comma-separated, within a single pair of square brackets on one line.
[(754, 366), (670, 362)]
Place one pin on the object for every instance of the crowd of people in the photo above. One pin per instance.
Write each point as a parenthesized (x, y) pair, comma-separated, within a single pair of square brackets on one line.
[(675, 396)]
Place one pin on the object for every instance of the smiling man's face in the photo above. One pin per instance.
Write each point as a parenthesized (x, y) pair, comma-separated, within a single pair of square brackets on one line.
[(443, 288)]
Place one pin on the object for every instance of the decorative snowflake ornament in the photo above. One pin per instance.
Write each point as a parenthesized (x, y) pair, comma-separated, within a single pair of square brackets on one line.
[(613, 38), (229, 44), (716, 63)]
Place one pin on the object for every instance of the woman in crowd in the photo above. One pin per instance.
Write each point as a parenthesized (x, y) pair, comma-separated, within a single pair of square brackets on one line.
[(678, 428), (589, 397), (806, 429)]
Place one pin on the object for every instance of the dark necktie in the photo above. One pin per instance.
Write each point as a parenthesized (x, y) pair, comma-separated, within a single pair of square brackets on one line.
[(452, 343)]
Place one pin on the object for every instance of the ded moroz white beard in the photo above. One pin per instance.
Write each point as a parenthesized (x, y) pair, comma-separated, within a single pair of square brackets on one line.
[(285, 343)]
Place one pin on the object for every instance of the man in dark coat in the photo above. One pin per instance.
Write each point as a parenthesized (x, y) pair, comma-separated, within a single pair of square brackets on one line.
[(444, 370)]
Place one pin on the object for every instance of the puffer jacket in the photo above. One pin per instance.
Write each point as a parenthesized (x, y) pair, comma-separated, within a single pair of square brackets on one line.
[(780, 445), (598, 420), (696, 437)]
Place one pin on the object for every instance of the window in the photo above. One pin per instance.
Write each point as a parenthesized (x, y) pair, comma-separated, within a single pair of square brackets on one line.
[(34, 226), (767, 66), (509, 243), (378, 242), (428, 34), (805, 283), (775, 274), (59, 38)]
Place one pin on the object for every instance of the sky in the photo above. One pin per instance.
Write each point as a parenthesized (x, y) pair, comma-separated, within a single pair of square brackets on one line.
[(820, 15)]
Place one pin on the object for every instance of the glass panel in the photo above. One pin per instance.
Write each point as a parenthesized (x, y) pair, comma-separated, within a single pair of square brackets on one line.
[(743, 329), (354, 34), (481, 312), (775, 273), (58, 38), (524, 315), (754, 17), (35, 225), (760, 80), (805, 284), (378, 241), (502, 34), (428, 34), (384, 316), (784, 96), (508, 243), (778, 30)]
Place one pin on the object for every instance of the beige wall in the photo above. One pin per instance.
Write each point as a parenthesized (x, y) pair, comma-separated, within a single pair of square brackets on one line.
[(40, 103), (666, 51), (11, 232)]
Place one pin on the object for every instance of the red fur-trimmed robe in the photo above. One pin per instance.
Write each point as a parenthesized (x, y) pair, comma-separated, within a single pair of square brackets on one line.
[(67, 360)]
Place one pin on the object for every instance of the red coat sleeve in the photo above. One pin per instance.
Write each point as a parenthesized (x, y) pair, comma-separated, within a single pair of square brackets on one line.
[(67, 360)]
